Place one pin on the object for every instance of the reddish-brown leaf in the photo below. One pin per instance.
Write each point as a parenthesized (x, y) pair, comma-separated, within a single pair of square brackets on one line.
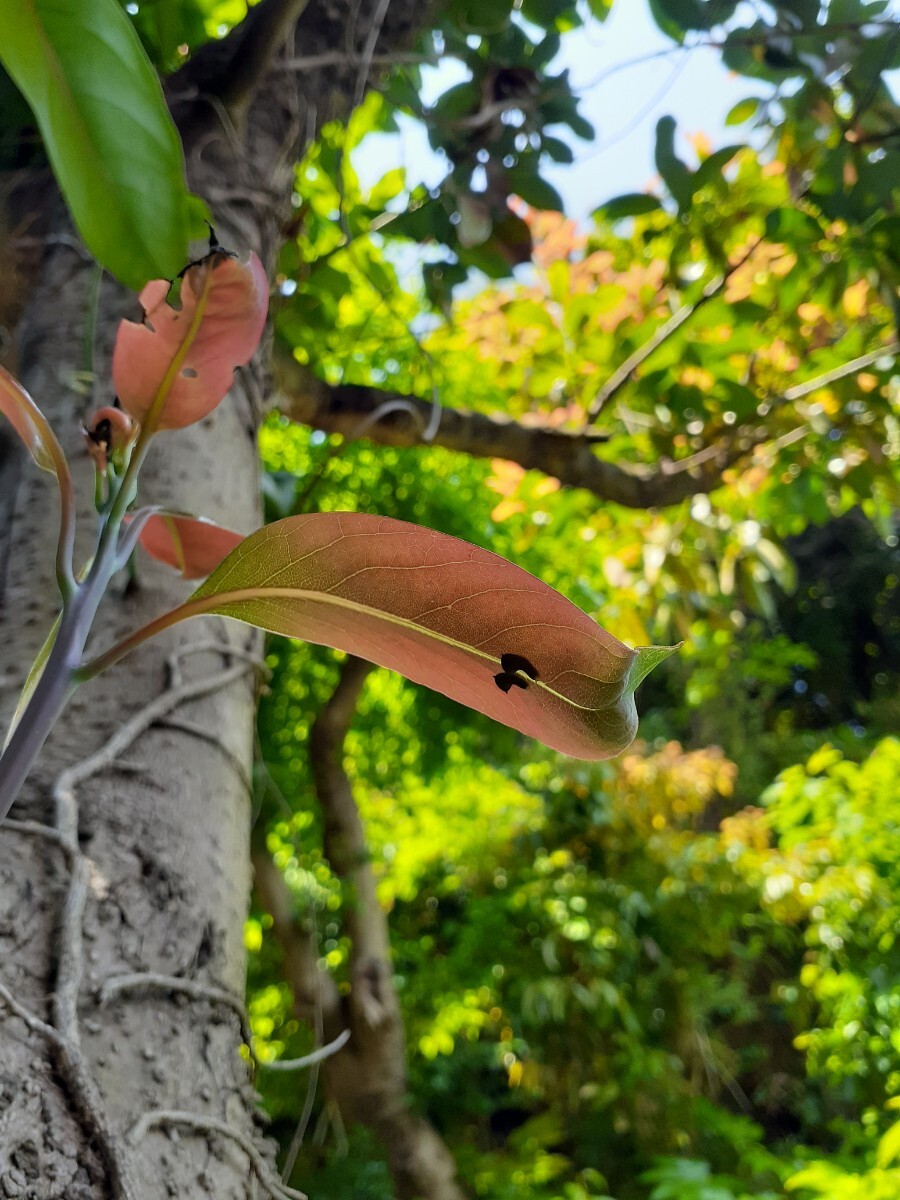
[(28, 421), (444, 613), (173, 369), (192, 545)]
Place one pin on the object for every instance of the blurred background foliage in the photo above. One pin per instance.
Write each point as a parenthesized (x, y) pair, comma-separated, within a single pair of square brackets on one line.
[(674, 976)]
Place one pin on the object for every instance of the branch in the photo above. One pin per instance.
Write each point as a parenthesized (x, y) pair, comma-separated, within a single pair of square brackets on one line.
[(308, 1060), (849, 368), (162, 1118), (622, 374), (344, 841), (568, 457), (367, 1079)]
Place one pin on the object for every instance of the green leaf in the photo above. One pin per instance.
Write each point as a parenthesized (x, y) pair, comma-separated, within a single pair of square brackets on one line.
[(557, 149), (109, 136), (674, 172), (742, 111), (647, 659), (713, 165), (676, 17), (600, 9), (632, 204), (889, 1147), (537, 192)]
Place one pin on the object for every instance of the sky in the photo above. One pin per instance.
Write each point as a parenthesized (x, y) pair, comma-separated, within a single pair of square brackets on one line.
[(622, 104)]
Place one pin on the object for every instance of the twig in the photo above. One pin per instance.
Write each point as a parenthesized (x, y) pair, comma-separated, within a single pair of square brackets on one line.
[(151, 981), (732, 40), (309, 1060), (622, 374), (38, 829), (227, 649), (161, 1118), (841, 372), (365, 62), (339, 58)]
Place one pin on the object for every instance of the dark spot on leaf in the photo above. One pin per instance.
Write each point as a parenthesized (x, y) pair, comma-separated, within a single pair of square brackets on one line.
[(512, 663), (505, 681), (189, 373)]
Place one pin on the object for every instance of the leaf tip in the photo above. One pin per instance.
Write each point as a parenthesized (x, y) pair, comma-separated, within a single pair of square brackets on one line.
[(646, 659)]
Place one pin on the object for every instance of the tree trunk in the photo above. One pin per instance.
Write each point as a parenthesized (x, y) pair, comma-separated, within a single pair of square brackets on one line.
[(124, 878)]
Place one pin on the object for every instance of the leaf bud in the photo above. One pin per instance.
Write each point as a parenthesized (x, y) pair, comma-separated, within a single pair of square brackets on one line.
[(108, 433)]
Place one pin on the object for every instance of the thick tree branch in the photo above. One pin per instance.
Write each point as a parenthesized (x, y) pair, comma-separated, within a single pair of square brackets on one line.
[(356, 411), (569, 457)]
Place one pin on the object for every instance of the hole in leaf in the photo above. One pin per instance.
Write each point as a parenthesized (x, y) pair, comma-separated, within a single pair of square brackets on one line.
[(189, 373), (505, 681), (512, 663)]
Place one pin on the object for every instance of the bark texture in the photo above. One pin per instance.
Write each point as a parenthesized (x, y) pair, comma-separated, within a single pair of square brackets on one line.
[(124, 878), (366, 1078)]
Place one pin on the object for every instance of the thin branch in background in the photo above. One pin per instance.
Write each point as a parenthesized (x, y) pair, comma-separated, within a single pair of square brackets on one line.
[(365, 64), (338, 58), (849, 368), (308, 1060), (163, 1118), (641, 115), (733, 39), (623, 373), (290, 1158)]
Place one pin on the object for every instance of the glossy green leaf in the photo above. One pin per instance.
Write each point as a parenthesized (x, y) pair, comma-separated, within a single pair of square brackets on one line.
[(109, 136)]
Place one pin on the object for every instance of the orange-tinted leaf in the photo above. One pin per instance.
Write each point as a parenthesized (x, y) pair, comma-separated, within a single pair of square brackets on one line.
[(176, 366), (28, 421), (444, 613), (192, 545)]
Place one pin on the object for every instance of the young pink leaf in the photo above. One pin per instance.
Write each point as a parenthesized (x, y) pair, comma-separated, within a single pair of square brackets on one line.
[(442, 612), (173, 369), (29, 423), (192, 545)]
